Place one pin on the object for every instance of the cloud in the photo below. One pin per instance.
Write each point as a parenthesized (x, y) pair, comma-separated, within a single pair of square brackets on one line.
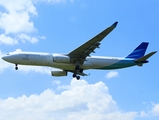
[(80, 101), (155, 109), (17, 50), (17, 17), (56, 82), (19, 5), (152, 111), (15, 20), (112, 74), (143, 114), (7, 40), (24, 38)]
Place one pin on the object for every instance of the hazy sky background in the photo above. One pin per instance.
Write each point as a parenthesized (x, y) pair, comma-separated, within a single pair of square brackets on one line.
[(59, 26)]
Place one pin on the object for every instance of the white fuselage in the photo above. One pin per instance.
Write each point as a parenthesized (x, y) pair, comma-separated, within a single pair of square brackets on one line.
[(62, 62)]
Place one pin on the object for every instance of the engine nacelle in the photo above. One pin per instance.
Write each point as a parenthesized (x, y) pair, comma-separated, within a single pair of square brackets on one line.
[(58, 73), (61, 58)]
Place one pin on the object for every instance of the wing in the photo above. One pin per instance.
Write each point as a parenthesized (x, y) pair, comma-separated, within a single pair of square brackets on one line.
[(79, 54)]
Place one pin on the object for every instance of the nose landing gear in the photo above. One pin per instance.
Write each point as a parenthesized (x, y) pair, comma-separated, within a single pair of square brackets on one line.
[(16, 67)]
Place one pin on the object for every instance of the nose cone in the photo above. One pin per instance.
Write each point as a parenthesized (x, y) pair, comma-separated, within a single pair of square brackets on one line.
[(9, 58), (5, 58)]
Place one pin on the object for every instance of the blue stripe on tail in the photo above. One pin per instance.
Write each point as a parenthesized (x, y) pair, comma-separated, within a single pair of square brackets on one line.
[(139, 51)]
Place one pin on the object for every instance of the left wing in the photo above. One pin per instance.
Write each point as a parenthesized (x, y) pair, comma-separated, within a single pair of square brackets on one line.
[(78, 55)]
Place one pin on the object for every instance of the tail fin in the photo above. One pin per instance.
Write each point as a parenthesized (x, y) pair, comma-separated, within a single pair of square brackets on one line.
[(139, 51)]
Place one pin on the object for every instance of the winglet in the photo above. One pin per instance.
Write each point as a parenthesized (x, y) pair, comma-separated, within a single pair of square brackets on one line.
[(115, 24)]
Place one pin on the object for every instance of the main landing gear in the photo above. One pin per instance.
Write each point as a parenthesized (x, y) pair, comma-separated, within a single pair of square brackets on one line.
[(16, 67), (77, 68), (75, 76)]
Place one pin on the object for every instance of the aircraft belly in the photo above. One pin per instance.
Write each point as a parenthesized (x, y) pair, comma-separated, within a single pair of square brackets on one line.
[(64, 66)]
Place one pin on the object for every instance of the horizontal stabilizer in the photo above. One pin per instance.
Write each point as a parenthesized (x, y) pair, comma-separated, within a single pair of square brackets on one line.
[(144, 58)]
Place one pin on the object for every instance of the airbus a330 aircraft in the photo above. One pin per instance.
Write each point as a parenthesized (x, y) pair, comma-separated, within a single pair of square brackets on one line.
[(79, 59)]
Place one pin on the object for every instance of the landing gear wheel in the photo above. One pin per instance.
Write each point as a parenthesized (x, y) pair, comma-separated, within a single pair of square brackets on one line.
[(16, 66), (78, 77), (77, 67), (74, 75)]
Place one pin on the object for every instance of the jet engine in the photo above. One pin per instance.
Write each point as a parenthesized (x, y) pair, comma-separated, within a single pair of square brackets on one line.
[(61, 58), (59, 73)]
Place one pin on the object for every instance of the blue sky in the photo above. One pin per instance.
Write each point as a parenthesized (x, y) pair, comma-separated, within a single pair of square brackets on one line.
[(59, 26)]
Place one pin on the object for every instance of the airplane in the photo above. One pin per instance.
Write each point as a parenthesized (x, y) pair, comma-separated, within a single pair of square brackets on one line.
[(79, 59)]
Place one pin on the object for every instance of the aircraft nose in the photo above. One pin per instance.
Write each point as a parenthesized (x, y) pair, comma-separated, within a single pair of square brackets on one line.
[(5, 58), (9, 58)]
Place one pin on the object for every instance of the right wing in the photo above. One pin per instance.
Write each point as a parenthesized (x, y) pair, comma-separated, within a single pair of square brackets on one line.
[(79, 54)]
